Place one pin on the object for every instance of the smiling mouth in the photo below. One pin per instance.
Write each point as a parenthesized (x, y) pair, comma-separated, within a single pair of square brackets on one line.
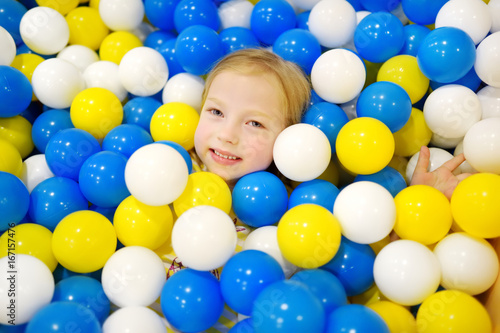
[(227, 157)]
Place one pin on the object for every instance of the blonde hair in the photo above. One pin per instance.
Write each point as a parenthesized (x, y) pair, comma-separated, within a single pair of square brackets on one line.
[(294, 85)]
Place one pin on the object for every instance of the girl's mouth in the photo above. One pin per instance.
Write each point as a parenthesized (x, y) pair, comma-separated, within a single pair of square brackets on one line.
[(228, 157)]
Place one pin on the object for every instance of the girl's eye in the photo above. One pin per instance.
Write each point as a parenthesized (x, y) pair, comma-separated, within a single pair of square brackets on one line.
[(216, 112), (255, 124)]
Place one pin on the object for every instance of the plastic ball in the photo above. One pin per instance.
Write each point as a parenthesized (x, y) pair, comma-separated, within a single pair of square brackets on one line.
[(265, 239), (303, 20), (379, 36), (365, 139), (379, 5), (134, 319), (17, 131), (140, 110), (121, 15), (44, 30), (191, 300), (473, 205), (438, 157), (175, 121), (14, 200), (142, 225), (157, 38), (83, 241), (422, 12), (184, 88), (414, 35), (299, 46), (490, 102), (487, 55), (115, 45), (316, 191), (9, 47), (204, 238), (86, 291), (259, 199), (481, 145), (388, 177), (151, 170), (302, 152), (79, 55), (27, 63), (168, 51), (295, 308), (338, 76), (185, 154), (133, 276), (332, 22), (270, 19), (396, 316), (355, 318), (105, 74), (452, 310), (200, 12), (10, 17), (245, 275), (244, 325), (161, 13), (36, 282), (17, 92), (11, 161), (126, 139), (235, 14), (414, 134), (473, 17), (494, 8), (237, 38), (86, 27)]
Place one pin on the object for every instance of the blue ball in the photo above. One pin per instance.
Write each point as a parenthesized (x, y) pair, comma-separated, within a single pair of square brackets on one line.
[(11, 13), (47, 125), (167, 50), (53, 199), (380, 5), (355, 318), (157, 38), (16, 92), (326, 286), (126, 139), (196, 12), (315, 99), (422, 11), (328, 117), (271, 18), (303, 20), (109, 213), (191, 300), (469, 80), (388, 177), (61, 315), (356, 4), (446, 54), (161, 13), (259, 199), (198, 48), (414, 35), (237, 38), (245, 275), (387, 102), (140, 110), (14, 200), (61, 273), (316, 191), (33, 111), (379, 36), (243, 326), (182, 151), (353, 266), (85, 291), (299, 46), (287, 306)]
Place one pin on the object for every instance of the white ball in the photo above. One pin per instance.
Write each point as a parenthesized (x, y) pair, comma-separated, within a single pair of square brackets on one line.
[(302, 152), (134, 319), (450, 110), (366, 212), (185, 88), (35, 170), (471, 16), (204, 238), (79, 55), (143, 71), (305, 4), (338, 76), (156, 174), (487, 60), (104, 74), (468, 263), (32, 283), (437, 158), (442, 142), (133, 276), (465, 166), (265, 239), (56, 82), (489, 97), (332, 22), (482, 145), (121, 14), (44, 30), (406, 272), (143, 30), (235, 13), (494, 8), (8, 47)]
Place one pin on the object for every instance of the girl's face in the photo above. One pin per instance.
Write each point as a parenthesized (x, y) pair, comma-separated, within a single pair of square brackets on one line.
[(239, 122)]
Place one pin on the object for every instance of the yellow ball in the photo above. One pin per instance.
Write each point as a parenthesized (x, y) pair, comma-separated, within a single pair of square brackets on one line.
[(83, 241), (403, 70), (365, 145), (10, 159), (32, 239), (452, 311), (371, 295), (86, 27), (475, 205), (308, 235), (204, 188), (94, 4), (17, 130), (139, 224), (423, 214), (62, 6), (116, 44), (396, 316), (97, 111), (414, 134), (26, 63), (175, 121)]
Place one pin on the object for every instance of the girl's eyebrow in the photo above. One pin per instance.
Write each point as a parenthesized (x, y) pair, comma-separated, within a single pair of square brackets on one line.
[(248, 111)]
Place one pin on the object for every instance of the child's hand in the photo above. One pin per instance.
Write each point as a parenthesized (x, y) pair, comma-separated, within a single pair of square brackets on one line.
[(442, 178)]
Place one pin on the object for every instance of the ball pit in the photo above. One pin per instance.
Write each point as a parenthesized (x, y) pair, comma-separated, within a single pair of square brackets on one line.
[(109, 231)]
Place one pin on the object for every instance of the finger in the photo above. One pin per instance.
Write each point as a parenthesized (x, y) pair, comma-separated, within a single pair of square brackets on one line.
[(462, 176), (454, 163), (422, 161)]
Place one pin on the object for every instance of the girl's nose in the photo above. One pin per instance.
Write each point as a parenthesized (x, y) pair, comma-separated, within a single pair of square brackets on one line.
[(228, 133)]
